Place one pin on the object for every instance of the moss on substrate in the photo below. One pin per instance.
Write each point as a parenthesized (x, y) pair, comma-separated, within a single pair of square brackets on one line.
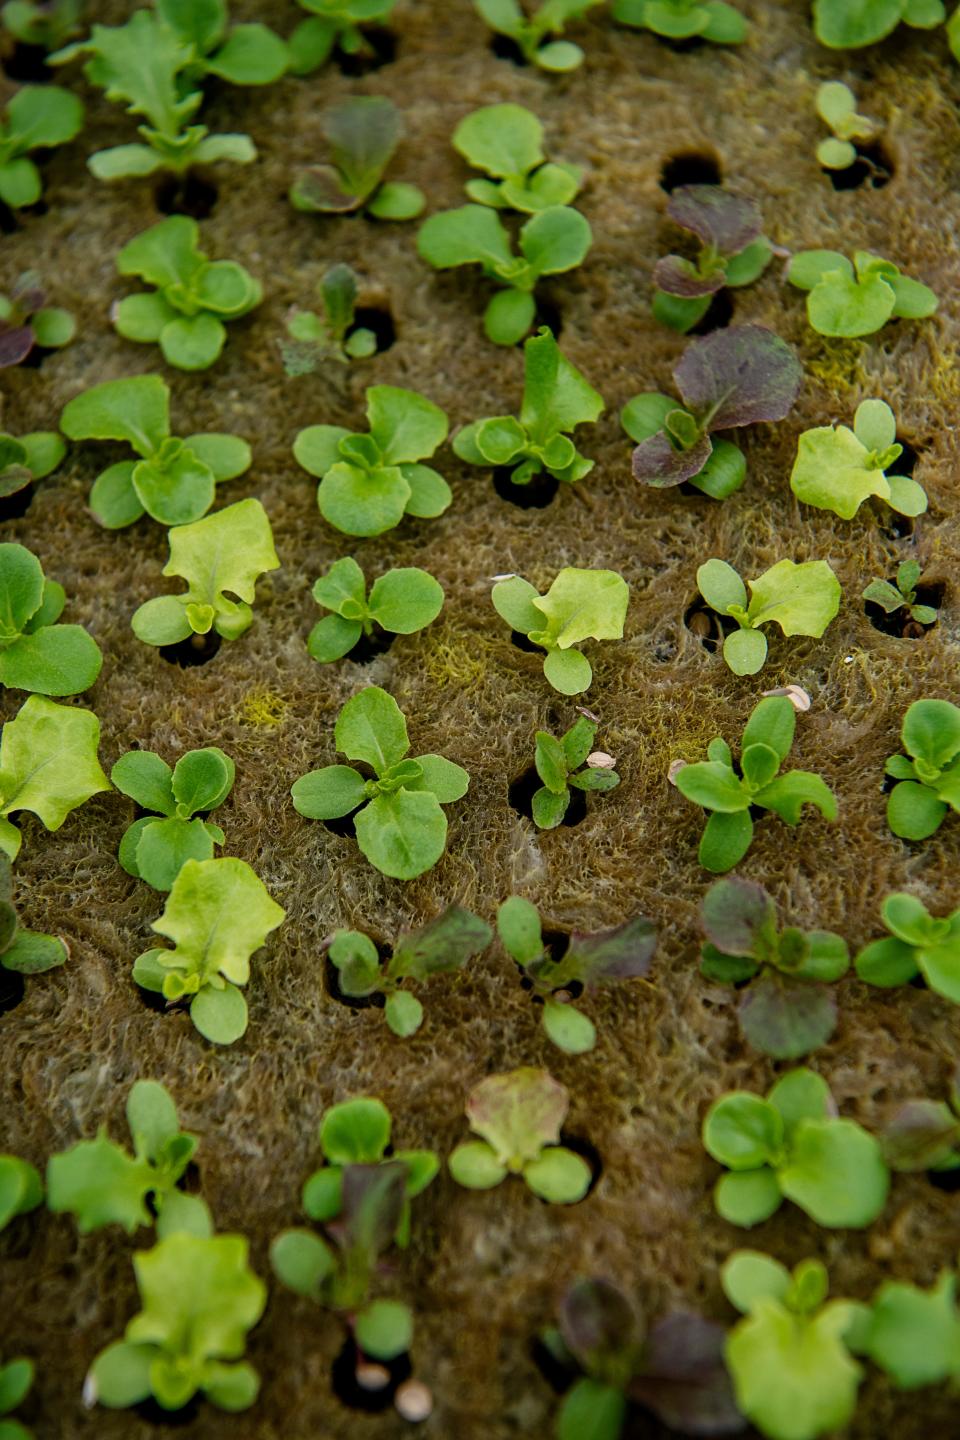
[(484, 1273)]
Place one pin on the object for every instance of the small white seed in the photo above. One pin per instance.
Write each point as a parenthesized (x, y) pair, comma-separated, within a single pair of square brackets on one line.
[(413, 1400), (371, 1376), (600, 760), (798, 697), (675, 767)]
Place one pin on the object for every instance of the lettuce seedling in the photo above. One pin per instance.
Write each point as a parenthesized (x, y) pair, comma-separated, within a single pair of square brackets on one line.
[(399, 820), (37, 117), (793, 1374), (673, 1368), (240, 54), (529, 32), (727, 379), (217, 914), (925, 1134), (837, 108), (21, 1189), (199, 1298), (507, 142), (733, 252), (519, 1116), (580, 605), (45, 24), (333, 24), (559, 764), (101, 1183), (28, 322), (35, 652), (154, 849), (848, 300), (333, 335), (711, 20), (551, 242), (730, 792), (26, 458), (919, 944), (362, 132), (48, 764), (369, 481), (914, 1334), (25, 952), (901, 594), (785, 1009), (801, 599), (400, 603), (223, 552), (589, 961), (145, 64), (793, 1146), (929, 781), (838, 468), (556, 399), (174, 481), (16, 1377), (441, 947), (193, 295), (845, 26)]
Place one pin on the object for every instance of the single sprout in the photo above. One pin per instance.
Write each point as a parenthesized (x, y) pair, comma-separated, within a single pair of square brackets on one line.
[(21, 1189), (929, 781), (192, 298), (785, 1009), (199, 1297), (333, 24), (224, 552), (369, 481), (580, 605), (519, 1116), (838, 468), (400, 603), (26, 458), (733, 252), (240, 54), (793, 1374), (362, 132), (507, 142), (730, 793), (845, 26), (155, 847), (925, 1134), (801, 599), (551, 242), (217, 914), (837, 107), (35, 652), (919, 944), (711, 20), (400, 825), (530, 32), (101, 1183), (24, 952), (556, 399), (559, 765), (16, 1377), (37, 117), (333, 335), (901, 594), (728, 379), (672, 1368), (596, 960), (793, 1146), (847, 299), (174, 481), (46, 24), (439, 948), (48, 765), (912, 1333), (28, 322)]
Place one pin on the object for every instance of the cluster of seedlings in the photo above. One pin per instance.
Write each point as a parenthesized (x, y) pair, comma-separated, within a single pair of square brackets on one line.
[(790, 1365)]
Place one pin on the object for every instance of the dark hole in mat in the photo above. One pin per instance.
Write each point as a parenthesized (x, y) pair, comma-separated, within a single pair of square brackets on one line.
[(521, 792), (195, 650), (343, 1375), (899, 623), (506, 49), (535, 495), (193, 194), (690, 167), (873, 167), (28, 64), (378, 319), (718, 316), (368, 647), (12, 989), (948, 1180), (353, 1002), (380, 48), (154, 1414), (17, 504)]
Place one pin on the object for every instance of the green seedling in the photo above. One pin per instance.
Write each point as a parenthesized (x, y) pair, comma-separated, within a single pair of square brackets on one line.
[(25, 952), (155, 847), (48, 765), (837, 108), (16, 1377), (333, 335), (928, 782), (845, 26), (838, 468), (711, 20), (334, 24), (240, 54), (21, 1189), (580, 605), (27, 322), (801, 599), (26, 458), (532, 34), (793, 1146), (35, 652), (925, 1134), (399, 821), (914, 1334), (37, 117), (590, 961), (901, 594), (401, 602), (506, 141), (733, 252), (552, 242), (174, 481), (846, 300), (729, 793), (217, 914), (919, 944), (46, 24), (558, 764), (362, 132)]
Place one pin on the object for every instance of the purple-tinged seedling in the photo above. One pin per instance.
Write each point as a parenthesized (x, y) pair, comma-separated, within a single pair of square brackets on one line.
[(925, 1134), (26, 458), (733, 252), (362, 132), (28, 322)]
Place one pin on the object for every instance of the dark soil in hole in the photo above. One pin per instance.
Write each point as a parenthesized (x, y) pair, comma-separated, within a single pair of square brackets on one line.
[(547, 313), (535, 495), (352, 1002), (343, 825), (907, 462), (368, 647), (10, 220), (718, 316), (900, 527), (557, 943), (522, 790), (17, 504), (690, 167), (27, 64), (195, 650), (12, 989), (506, 49), (587, 1152), (36, 358), (899, 623), (343, 1375), (948, 1180), (873, 167), (557, 1375), (380, 321), (155, 1414), (380, 49), (155, 1000), (193, 194), (709, 627)]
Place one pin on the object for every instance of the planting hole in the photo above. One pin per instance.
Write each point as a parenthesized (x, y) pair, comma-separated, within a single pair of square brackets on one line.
[(27, 64), (154, 1413), (506, 49), (948, 1180), (705, 623), (355, 1002), (379, 49), (690, 167), (587, 1152), (195, 650), (718, 316), (17, 504), (547, 313), (193, 194), (907, 462), (12, 990), (368, 647), (343, 825), (535, 495), (900, 527), (379, 320), (155, 1000), (900, 623), (355, 1380), (557, 1375), (522, 790), (873, 167)]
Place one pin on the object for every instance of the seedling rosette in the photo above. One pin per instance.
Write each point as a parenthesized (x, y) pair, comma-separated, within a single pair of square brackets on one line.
[(918, 944), (928, 776), (848, 299), (712, 20), (507, 142), (35, 652), (838, 468), (580, 605), (532, 33), (363, 133), (155, 847), (801, 599), (733, 252), (400, 602), (28, 322)]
